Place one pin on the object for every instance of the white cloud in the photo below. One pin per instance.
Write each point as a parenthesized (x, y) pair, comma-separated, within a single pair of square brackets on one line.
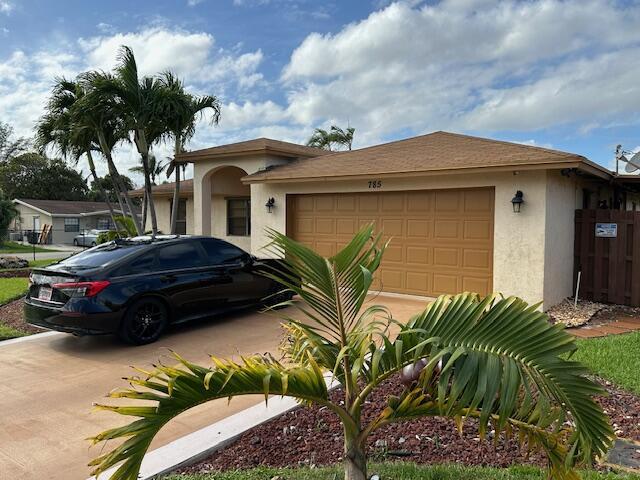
[(470, 64), (193, 3), (6, 7)]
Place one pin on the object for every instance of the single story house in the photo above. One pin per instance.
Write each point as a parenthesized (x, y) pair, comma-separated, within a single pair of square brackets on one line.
[(443, 199), (67, 218)]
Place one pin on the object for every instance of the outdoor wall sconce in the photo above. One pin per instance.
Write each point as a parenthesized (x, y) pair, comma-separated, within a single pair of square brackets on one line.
[(270, 204), (517, 201)]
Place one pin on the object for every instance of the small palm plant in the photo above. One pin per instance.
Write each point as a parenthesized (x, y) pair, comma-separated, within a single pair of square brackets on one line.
[(493, 359)]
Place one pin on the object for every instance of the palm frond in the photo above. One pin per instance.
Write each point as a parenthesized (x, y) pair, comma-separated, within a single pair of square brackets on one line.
[(177, 388), (335, 288), (502, 358)]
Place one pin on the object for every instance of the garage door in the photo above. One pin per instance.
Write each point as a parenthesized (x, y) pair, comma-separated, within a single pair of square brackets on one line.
[(441, 240)]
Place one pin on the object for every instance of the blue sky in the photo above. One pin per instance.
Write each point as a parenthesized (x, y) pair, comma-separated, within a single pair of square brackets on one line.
[(560, 74)]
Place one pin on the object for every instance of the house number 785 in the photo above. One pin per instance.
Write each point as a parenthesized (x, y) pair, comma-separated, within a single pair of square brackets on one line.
[(375, 183)]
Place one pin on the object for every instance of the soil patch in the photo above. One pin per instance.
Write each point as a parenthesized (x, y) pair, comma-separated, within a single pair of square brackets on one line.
[(313, 436), (590, 313), (17, 273), (11, 316)]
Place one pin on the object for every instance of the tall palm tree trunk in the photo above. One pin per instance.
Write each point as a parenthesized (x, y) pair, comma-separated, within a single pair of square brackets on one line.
[(92, 168), (120, 186), (143, 148), (176, 190), (147, 189), (145, 204), (122, 191)]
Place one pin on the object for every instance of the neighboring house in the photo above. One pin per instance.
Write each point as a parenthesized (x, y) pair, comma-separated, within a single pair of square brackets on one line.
[(67, 219), (444, 200)]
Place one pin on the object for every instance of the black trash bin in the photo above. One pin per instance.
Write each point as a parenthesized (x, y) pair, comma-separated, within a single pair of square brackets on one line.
[(32, 236)]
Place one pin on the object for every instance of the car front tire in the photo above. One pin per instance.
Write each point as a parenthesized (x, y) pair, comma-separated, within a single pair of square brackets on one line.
[(144, 321)]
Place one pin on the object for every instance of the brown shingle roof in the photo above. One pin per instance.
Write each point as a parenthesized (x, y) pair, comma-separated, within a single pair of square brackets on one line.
[(186, 187), (259, 145), (63, 207), (438, 151)]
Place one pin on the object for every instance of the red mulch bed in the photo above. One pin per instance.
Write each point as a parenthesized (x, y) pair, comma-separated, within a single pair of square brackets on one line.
[(18, 273), (11, 316), (313, 437)]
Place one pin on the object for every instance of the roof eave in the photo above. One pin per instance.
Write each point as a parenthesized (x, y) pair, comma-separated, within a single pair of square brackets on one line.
[(586, 165), (195, 156), (26, 204)]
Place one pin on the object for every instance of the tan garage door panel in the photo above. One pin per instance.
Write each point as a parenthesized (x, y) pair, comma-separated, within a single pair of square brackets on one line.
[(441, 240)]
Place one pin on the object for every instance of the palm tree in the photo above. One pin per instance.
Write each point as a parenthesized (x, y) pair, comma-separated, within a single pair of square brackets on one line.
[(156, 168), (57, 128), (328, 140), (343, 137), (100, 112), (494, 359), (320, 139), (181, 111), (137, 102)]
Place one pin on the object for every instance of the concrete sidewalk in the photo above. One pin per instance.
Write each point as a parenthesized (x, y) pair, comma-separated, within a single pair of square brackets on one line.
[(61, 251)]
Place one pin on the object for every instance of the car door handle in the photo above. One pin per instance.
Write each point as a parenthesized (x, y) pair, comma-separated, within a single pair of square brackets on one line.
[(168, 278)]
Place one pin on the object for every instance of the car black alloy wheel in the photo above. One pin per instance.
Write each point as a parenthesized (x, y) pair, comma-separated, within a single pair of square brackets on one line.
[(144, 321)]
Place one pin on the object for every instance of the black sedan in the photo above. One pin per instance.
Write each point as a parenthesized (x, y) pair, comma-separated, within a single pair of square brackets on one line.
[(136, 287)]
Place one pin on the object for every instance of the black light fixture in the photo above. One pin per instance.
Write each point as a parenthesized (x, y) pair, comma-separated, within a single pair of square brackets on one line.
[(517, 201), (270, 204)]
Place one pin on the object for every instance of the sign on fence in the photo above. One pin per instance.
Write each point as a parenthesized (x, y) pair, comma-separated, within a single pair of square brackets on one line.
[(607, 230)]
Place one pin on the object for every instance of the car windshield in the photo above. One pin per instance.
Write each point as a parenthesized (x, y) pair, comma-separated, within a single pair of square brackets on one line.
[(100, 255)]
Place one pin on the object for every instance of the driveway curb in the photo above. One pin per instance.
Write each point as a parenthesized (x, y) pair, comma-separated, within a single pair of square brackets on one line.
[(28, 338)]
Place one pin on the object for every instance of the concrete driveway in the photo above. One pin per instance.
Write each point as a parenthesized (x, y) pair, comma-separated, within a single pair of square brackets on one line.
[(49, 384)]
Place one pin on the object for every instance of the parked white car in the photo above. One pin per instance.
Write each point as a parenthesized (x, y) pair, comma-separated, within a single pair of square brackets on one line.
[(88, 239)]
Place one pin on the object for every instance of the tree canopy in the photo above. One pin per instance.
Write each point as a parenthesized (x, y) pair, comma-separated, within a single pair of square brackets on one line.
[(9, 145), (95, 193), (31, 175)]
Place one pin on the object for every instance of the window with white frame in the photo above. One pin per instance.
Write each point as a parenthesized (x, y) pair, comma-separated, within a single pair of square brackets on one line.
[(104, 223), (71, 224), (239, 216)]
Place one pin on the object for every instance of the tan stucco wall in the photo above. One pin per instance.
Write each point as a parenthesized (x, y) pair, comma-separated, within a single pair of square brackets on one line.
[(213, 180), (533, 250), (163, 215), (564, 195), (519, 239)]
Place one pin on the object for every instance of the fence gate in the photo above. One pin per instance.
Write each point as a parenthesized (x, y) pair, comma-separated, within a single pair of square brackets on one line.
[(607, 252)]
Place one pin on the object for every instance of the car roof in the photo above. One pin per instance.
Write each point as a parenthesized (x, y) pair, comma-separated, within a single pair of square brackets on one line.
[(149, 240)]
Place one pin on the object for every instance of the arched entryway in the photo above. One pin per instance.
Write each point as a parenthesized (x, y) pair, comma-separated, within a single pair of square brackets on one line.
[(227, 214)]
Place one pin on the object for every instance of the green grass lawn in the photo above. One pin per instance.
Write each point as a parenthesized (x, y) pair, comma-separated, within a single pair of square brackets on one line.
[(15, 247), (7, 332), (398, 471), (616, 358), (12, 288), (41, 263)]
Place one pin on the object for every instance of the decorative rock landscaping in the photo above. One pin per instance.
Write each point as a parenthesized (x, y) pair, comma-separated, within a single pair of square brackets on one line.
[(13, 262)]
